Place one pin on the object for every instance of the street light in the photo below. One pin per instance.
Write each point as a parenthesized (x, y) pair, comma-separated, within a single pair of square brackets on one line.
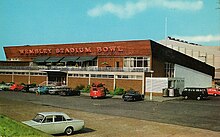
[(151, 82)]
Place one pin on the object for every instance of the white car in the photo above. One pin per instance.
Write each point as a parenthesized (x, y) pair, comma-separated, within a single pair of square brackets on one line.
[(55, 123)]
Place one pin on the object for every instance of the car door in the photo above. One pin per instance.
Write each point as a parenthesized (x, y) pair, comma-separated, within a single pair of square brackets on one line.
[(59, 123), (48, 125)]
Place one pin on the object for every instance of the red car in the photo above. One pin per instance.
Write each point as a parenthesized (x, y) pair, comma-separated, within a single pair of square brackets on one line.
[(97, 90), (214, 91), (16, 87)]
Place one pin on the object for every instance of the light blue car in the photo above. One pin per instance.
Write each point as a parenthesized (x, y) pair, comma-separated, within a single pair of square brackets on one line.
[(42, 89)]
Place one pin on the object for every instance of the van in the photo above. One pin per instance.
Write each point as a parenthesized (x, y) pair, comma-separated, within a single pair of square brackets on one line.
[(195, 93)]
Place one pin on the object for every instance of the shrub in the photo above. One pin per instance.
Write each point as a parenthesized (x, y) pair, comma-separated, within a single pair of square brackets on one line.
[(79, 87), (117, 91), (86, 89), (34, 84)]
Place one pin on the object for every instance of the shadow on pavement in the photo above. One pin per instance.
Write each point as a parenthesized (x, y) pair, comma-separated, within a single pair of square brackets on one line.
[(83, 131)]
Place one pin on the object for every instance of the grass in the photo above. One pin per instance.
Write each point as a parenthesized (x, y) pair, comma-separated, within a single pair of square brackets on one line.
[(12, 128)]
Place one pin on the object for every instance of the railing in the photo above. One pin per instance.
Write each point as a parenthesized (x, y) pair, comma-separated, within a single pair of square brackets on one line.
[(67, 68)]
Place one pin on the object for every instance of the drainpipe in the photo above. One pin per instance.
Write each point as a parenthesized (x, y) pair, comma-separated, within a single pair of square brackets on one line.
[(12, 78), (67, 79), (143, 83), (114, 83), (89, 79)]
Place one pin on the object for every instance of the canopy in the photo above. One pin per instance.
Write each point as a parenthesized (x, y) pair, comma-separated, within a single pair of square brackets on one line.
[(54, 59), (40, 59), (83, 59), (69, 58)]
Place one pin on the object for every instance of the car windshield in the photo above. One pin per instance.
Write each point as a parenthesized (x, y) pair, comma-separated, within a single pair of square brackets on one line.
[(38, 118)]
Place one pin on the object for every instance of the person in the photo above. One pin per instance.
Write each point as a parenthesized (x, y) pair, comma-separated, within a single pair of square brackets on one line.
[(64, 82), (38, 90)]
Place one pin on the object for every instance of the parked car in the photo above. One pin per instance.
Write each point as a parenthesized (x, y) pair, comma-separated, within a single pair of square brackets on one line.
[(42, 89), (16, 87), (33, 89), (195, 93), (55, 123), (69, 92), (30, 88), (5, 86), (132, 95), (98, 90), (214, 91), (54, 90)]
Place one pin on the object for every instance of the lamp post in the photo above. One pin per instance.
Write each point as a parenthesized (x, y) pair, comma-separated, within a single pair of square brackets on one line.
[(151, 82)]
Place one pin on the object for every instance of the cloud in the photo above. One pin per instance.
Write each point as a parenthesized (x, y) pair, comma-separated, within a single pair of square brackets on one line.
[(180, 4), (130, 9), (207, 38), (122, 11)]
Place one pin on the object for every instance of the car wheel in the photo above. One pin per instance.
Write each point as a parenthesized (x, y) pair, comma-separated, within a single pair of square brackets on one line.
[(198, 98), (215, 95), (186, 97), (69, 131)]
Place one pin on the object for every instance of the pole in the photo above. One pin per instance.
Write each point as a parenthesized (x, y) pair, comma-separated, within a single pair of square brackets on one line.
[(166, 30), (151, 90)]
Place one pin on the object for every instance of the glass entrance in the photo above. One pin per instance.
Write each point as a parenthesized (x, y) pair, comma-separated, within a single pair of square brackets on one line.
[(57, 78)]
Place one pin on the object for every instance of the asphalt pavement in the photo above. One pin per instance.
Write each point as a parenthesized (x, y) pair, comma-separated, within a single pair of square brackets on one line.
[(202, 114)]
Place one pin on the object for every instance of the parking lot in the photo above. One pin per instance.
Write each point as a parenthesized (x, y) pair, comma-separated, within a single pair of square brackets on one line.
[(192, 114)]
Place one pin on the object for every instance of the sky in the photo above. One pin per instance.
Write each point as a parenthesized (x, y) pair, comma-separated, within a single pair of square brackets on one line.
[(39, 22)]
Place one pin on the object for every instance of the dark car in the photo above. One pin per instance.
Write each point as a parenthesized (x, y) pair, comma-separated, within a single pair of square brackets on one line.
[(132, 96), (69, 92), (195, 93)]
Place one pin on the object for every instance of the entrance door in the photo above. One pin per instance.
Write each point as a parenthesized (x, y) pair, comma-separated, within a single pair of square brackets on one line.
[(58, 78), (117, 64)]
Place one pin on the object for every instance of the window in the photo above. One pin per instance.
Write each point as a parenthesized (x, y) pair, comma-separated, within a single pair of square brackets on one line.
[(169, 70), (59, 118), (137, 62), (38, 118), (48, 119)]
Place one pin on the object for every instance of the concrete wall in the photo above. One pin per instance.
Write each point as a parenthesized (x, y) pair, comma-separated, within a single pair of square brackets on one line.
[(192, 78), (207, 54)]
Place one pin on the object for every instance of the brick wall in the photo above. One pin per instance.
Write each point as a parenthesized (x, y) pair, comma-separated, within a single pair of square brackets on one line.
[(108, 82), (73, 82), (127, 84), (38, 79), (6, 78), (20, 79), (109, 62)]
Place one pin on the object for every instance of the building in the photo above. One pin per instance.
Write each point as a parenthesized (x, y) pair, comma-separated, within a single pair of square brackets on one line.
[(208, 54), (143, 65)]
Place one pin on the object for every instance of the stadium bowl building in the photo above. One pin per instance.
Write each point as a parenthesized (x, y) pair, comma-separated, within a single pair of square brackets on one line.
[(143, 65)]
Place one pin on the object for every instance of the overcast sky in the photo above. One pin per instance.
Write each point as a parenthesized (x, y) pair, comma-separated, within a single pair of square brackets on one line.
[(31, 22)]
